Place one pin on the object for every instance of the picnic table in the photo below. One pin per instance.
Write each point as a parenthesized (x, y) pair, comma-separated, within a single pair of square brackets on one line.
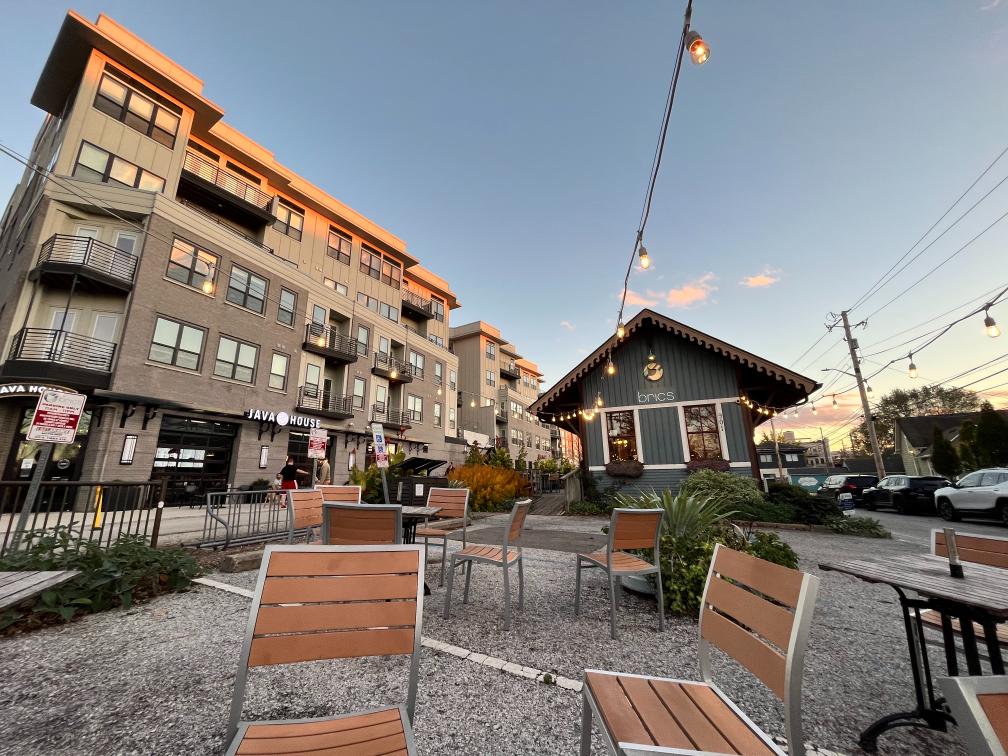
[(15, 587), (413, 516), (981, 596)]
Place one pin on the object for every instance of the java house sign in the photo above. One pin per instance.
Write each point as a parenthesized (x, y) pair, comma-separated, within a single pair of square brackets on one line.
[(282, 419), (27, 389)]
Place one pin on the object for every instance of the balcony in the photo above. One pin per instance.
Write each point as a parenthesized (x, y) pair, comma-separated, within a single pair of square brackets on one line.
[(510, 370), (396, 370), (60, 357), (316, 401), (416, 305), (501, 414), (331, 344), (391, 418), (213, 187), (100, 268)]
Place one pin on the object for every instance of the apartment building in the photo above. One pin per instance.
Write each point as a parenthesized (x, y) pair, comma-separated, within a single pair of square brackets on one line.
[(212, 304), (496, 387)]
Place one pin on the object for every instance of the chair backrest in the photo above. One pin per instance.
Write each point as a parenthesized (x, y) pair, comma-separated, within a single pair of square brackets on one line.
[(356, 524), (759, 613), (341, 494), (635, 528), (304, 510), (454, 502), (980, 708), (513, 529), (980, 549), (330, 602)]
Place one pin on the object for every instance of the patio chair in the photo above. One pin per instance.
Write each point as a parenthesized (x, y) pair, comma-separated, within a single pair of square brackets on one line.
[(628, 529), (373, 524), (980, 707), (756, 612), (454, 503), (304, 512), (341, 494), (502, 556), (315, 603)]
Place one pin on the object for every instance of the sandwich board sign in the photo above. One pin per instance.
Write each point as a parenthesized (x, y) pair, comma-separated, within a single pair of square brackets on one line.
[(56, 417), (317, 440), (380, 451)]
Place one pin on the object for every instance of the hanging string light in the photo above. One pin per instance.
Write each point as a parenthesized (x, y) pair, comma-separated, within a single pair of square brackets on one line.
[(208, 287), (598, 400), (912, 370), (835, 403), (645, 260), (620, 330), (814, 410), (610, 368), (869, 391), (992, 328)]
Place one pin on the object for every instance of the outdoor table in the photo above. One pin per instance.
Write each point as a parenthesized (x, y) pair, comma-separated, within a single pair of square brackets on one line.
[(981, 596), (411, 517), (18, 586)]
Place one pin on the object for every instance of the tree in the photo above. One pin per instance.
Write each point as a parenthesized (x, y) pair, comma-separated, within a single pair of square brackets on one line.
[(927, 400), (944, 459), (475, 455), (766, 438), (991, 437), (968, 446)]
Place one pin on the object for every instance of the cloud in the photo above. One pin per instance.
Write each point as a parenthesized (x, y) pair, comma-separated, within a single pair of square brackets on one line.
[(990, 5), (633, 299), (691, 292), (567, 324), (768, 277)]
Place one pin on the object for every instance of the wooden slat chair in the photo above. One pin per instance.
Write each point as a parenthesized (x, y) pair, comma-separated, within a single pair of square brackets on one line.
[(316, 603), (372, 524), (454, 503), (304, 512), (758, 613), (503, 556), (628, 529), (341, 494), (980, 707), (979, 549)]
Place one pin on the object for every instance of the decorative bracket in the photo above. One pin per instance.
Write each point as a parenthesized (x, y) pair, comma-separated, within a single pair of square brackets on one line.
[(128, 409), (150, 412)]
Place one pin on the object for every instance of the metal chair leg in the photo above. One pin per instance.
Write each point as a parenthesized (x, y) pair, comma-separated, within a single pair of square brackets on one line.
[(507, 597), (468, 569), (586, 725), (521, 584), (612, 607), (577, 589), (661, 603), (444, 558), (451, 582)]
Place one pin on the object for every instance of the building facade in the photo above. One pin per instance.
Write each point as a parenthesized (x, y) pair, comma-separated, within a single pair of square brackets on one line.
[(666, 397), (775, 461), (497, 388), (213, 305)]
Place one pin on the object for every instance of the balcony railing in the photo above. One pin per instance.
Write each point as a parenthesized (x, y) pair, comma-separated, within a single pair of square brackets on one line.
[(330, 343), (391, 417), (228, 227), (314, 399), (417, 303), (510, 369), (63, 348), (392, 368), (90, 255), (230, 183)]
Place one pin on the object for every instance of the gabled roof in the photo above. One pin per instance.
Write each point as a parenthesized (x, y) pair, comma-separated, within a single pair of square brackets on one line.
[(798, 384), (919, 430)]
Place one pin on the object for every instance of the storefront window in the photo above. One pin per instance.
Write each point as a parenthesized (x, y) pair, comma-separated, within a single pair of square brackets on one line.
[(702, 434), (65, 462), (622, 436)]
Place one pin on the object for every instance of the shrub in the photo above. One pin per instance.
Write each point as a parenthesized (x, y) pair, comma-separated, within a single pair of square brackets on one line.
[(736, 492), (589, 509), (127, 571), (490, 488), (867, 527), (717, 464), (685, 516), (800, 505), (769, 546)]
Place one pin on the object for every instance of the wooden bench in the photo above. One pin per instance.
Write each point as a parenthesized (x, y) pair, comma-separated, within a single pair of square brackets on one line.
[(16, 587), (315, 603), (980, 706), (453, 503), (628, 529), (756, 612)]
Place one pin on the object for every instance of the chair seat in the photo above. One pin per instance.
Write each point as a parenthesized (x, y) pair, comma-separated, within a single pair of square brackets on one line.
[(370, 734), (487, 553), (433, 532), (933, 618), (692, 716), (621, 561)]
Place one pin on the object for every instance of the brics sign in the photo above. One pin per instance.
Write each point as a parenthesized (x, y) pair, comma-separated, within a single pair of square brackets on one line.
[(655, 396)]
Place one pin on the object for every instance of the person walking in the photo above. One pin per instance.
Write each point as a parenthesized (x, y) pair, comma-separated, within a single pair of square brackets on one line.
[(288, 476), (324, 472)]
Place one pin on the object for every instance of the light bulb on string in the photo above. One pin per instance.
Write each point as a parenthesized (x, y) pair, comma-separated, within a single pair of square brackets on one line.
[(598, 400), (439, 391), (836, 404), (814, 410), (610, 367), (208, 287), (698, 49), (393, 374), (620, 330), (472, 402), (912, 369), (992, 328), (868, 391), (794, 412), (645, 260)]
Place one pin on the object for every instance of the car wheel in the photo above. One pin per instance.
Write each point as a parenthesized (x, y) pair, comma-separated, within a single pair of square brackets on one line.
[(1004, 512), (947, 511), (869, 504), (900, 505)]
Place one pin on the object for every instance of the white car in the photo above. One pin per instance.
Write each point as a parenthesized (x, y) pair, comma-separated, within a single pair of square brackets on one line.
[(983, 493)]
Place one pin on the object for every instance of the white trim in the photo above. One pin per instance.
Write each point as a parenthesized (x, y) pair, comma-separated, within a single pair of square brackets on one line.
[(603, 427), (681, 420), (722, 433), (673, 466), (658, 405), (637, 436)]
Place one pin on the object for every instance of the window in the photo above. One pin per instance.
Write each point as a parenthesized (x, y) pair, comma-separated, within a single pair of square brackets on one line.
[(96, 164), (247, 290), (286, 307), (789, 457), (414, 408), (125, 104), (177, 344), (491, 378), (313, 376), (192, 266), (416, 361), (491, 351), (290, 220), (338, 246), (342, 289), (437, 307), (451, 418), (363, 339), (370, 263), (437, 414), (383, 345), (971, 480), (452, 379), (765, 458), (370, 302), (391, 273), (358, 393), (387, 311), (622, 436), (278, 371), (435, 339), (702, 435), (989, 479), (438, 373), (236, 360), (126, 241), (318, 315)]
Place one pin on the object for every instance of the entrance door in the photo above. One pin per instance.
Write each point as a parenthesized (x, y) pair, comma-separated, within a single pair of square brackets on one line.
[(65, 462), (194, 456), (80, 245)]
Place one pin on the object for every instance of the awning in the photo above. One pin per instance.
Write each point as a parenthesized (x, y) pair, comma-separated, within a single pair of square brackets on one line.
[(421, 465)]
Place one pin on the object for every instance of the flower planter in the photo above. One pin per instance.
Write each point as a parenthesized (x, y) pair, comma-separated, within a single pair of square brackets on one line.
[(624, 469)]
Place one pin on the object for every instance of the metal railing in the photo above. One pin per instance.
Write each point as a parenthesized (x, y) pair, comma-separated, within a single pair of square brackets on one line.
[(46, 345), (394, 417), (313, 398), (325, 337), (511, 368), (93, 510), (228, 227), (88, 253), (419, 302), (234, 518), (384, 361), (226, 181)]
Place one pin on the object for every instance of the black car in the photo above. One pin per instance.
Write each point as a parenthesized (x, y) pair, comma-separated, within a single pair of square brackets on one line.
[(835, 485), (907, 494)]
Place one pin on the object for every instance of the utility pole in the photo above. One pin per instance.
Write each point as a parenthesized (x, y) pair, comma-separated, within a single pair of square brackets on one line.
[(827, 462), (872, 438), (776, 446)]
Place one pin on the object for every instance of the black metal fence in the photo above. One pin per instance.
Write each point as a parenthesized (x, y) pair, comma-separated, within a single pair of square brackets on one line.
[(93, 510)]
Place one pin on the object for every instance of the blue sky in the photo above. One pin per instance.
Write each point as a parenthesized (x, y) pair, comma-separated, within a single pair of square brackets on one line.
[(509, 145)]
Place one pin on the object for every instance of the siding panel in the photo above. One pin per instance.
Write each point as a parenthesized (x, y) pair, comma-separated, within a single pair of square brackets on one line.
[(661, 435)]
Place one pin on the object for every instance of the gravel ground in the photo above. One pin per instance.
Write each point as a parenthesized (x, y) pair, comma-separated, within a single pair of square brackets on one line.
[(158, 678)]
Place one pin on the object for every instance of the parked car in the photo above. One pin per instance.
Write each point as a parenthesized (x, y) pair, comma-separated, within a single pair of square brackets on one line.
[(983, 493), (855, 485), (907, 494)]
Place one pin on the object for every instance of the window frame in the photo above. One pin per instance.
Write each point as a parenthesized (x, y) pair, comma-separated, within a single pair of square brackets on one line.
[(628, 450), (245, 294), (703, 433), (176, 347), (281, 309), (125, 111), (415, 415), (357, 400), (239, 343), (197, 255), (106, 175), (284, 225), (437, 415), (338, 253), (272, 374)]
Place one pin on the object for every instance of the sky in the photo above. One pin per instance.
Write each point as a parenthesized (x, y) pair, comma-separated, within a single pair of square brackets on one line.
[(509, 144)]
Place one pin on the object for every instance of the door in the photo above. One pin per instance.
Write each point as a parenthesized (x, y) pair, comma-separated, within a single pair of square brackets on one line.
[(966, 496), (381, 397), (81, 244), (104, 332), (61, 327)]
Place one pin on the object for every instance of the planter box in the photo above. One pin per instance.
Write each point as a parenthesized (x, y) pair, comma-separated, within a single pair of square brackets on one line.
[(625, 469)]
